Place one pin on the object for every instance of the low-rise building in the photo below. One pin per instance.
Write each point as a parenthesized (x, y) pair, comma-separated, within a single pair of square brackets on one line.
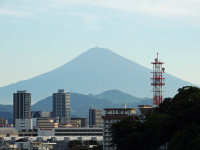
[(79, 132), (7, 132), (44, 123), (4, 123), (71, 132), (83, 121), (30, 133), (75, 123), (24, 124)]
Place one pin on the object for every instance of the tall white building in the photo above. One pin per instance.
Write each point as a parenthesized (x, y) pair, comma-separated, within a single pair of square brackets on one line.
[(61, 106), (113, 115)]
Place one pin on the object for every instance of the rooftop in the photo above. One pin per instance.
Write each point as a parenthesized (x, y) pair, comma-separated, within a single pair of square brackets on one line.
[(119, 108)]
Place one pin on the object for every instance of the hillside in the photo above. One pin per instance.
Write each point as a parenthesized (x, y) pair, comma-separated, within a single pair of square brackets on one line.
[(117, 97), (81, 103)]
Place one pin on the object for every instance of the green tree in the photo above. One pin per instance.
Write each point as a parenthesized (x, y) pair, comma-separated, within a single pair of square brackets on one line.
[(126, 134), (157, 131), (176, 121), (187, 139)]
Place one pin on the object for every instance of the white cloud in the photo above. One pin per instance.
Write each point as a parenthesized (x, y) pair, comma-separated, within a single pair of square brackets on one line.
[(10, 12), (158, 8), (170, 8)]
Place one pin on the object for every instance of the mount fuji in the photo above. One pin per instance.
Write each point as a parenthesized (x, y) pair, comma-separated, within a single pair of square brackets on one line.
[(94, 71)]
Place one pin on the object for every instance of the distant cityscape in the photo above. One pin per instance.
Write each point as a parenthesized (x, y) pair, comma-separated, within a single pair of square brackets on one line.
[(105, 128), (31, 128), (53, 129)]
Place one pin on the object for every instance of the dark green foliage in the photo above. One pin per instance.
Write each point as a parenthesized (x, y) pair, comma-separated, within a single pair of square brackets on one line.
[(176, 121), (188, 139), (75, 145), (157, 130), (125, 132), (78, 145)]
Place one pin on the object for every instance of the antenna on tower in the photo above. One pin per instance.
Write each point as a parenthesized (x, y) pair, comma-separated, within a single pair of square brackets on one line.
[(158, 81)]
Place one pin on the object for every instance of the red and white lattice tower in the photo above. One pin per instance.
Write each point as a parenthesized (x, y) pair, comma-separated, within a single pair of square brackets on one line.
[(158, 81)]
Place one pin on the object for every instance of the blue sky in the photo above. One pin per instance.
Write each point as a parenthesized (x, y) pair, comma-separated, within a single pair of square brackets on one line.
[(37, 36)]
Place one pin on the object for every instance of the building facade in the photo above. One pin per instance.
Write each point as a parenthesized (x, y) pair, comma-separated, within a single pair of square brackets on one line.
[(44, 123), (95, 118), (4, 123), (84, 122), (75, 123), (71, 132), (4, 132), (113, 115), (61, 106), (21, 106), (24, 124)]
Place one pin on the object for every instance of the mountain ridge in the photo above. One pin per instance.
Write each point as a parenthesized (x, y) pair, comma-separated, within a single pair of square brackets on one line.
[(80, 109), (93, 71)]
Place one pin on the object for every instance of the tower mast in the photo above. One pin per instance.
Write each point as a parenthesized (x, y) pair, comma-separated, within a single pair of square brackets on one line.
[(158, 81)]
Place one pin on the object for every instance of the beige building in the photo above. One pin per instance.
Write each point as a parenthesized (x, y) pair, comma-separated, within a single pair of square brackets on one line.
[(46, 123), (83, 121), (113, 115), (8, 132), (76, 123)]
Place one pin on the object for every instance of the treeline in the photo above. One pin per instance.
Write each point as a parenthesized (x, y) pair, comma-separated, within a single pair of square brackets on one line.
[(174, 124)]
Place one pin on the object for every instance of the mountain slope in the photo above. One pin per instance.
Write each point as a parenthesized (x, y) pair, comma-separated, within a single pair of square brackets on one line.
[(117, 97), (6, 108), (94, 71), (79, 104)]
